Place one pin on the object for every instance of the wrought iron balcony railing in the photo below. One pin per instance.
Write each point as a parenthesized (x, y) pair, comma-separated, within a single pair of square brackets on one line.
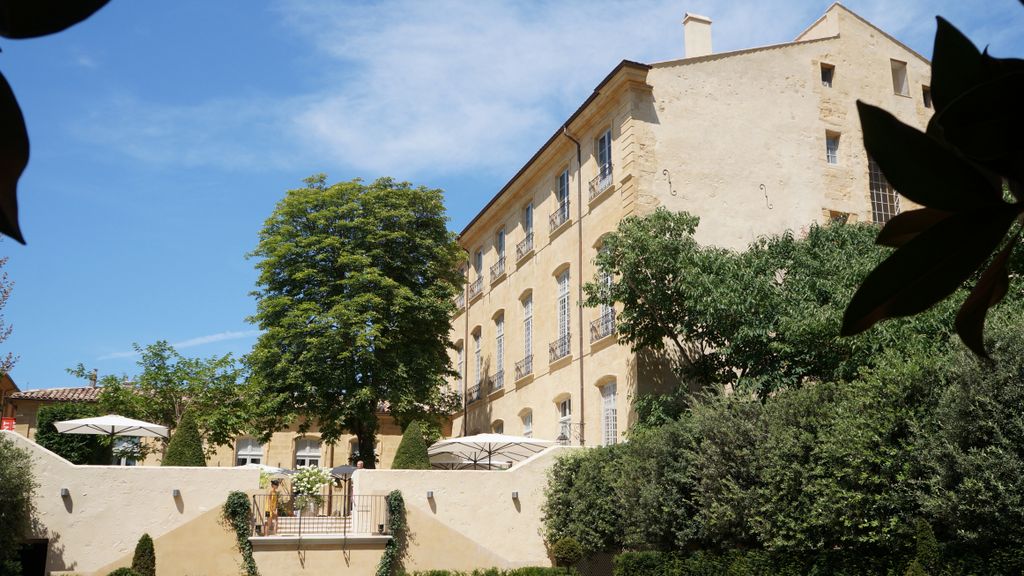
[(603, 326), (568, 432), (497, 380), (602, 181), (525, 247), (559, 348), (473, 393), (476, 288), (498, 270), (460, 301), (559, 216), (323, 514), (524, 367)]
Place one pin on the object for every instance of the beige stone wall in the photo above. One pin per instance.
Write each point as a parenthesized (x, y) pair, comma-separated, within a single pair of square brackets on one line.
[(472, 521), (110, 507), (737, 139), (318, 559)]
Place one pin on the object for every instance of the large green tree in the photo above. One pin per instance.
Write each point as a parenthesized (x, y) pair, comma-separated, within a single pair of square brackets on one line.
[(170, 384), (17, 487), (355, 294)]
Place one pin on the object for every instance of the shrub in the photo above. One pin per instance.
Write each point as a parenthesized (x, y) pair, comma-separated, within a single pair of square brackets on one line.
[(236, 514), (124, 572), (567, 552), (412, 450), (580, 503), (186, 445), (75, 448), (17, 487), (144, 561), (648, 563)]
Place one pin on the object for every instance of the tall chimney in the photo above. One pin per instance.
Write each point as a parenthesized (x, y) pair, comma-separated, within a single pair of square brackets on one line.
[(696, 35)]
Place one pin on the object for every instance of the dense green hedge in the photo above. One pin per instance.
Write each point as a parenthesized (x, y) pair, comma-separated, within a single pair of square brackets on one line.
[(831, 478), (75, 448), (531, 571)]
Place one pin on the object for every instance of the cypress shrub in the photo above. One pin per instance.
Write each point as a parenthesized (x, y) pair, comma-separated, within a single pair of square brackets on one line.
[(144, 561), (927, 553), (186, 445), (412, 450), (567, 552), (124, 572)]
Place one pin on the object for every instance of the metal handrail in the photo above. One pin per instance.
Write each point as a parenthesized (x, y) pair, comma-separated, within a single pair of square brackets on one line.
[(524, 367), (473, 392), (602, 181), (560, 348), (498, 269), (338, 514), (559, 216), (460, 301), (603, 326), (476, 287), (524, 247)]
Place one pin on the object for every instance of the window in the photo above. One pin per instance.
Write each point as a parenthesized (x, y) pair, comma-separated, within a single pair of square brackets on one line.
[(498, 427), (248, 451), (563, 195), (307, 452), (837, 217), (827, 72), (926, 96), (609, 415), (899, 78), (563, 304), (528, 424), (499, 349), (528, 219), (565, 410), (478, 261), (528, 326), (460, 360), (499, 243), (832, 147), (884, 202), (477, 358), (604, 152), (125, 450)]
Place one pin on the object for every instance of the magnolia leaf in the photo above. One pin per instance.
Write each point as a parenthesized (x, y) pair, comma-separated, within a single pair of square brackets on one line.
[(989, 291), (956, 65), (13, 159), (903, 227), (921, 168), (31, 18), (928, 268), (985, 123)]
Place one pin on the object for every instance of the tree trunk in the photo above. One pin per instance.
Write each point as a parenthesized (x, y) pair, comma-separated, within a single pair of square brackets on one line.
[(366, 433)]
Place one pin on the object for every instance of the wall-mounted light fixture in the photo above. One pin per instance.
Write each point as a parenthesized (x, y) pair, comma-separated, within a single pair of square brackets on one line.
[(176, 493), (65, 493), (515, 495), (380, 528), (430, 494)]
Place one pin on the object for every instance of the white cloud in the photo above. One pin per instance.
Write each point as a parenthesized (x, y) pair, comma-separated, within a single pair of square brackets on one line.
[(192, 342)]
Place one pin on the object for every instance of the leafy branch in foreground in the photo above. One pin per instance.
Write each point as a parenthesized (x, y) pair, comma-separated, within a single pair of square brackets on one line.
[(958, 170)]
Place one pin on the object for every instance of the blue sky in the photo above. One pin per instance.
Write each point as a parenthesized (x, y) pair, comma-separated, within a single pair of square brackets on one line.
[(163, 134)]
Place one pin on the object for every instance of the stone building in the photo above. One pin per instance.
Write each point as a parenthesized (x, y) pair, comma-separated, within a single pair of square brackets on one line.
[(754, 142)]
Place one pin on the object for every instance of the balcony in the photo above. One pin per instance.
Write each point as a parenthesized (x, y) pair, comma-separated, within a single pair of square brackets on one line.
[(498, 270), (602, 182), (476, 288), (524, 367), (474, 393), (559, 216), (497, 380), (604, 326), (569, 431), (322, 515), (559, 348), (524, 248), (460, 301)]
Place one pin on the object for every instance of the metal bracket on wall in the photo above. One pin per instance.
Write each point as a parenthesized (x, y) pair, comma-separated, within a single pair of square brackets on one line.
[(669, 177), (766, 201)]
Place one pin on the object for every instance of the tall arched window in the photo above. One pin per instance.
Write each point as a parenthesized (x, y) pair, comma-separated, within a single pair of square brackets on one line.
[(499, 352), (307, 452), (609, 415), (527, 417)]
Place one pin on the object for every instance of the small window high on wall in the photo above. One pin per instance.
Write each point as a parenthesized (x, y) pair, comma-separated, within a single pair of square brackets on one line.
[(827, 73), (248, 451), (899, 78)]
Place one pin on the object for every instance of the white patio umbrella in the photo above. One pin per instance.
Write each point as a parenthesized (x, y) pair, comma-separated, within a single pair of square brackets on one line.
[(111, 425), (482, 449)]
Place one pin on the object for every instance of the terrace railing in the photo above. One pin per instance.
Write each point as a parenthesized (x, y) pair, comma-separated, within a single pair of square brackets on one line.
[(524, 247), (476, 287), (559, 216), (338, 514), (524, 367), (498, 270), (474, 393), (602, 181), (559, 348), (604, 325), (460, 301), (497, 380)]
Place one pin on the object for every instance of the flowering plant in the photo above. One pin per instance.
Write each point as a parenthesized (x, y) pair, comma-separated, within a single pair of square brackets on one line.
[(310, 480)]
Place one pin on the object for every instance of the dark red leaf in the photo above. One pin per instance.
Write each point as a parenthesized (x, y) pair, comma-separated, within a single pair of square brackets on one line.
[(989, 291), (928, 268), (31, 18), (13, 159)]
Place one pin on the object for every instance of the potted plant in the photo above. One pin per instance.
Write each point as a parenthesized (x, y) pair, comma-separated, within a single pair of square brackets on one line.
[(308, 485)]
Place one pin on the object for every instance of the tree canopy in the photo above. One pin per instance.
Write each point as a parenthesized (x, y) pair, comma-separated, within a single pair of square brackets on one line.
[(17, 487), (169, 385), (75, 448), (355, 294)]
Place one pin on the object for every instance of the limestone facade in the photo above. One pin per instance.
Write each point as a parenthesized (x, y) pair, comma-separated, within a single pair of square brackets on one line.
[(754, 142)]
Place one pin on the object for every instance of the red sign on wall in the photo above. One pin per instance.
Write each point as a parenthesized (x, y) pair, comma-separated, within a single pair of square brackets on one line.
[(7, 424)]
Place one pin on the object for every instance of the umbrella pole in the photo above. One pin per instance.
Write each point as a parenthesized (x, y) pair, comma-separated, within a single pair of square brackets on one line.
[(330, 485)]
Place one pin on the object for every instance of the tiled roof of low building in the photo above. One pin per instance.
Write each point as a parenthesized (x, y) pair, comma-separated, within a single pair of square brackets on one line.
[(83, 394)]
